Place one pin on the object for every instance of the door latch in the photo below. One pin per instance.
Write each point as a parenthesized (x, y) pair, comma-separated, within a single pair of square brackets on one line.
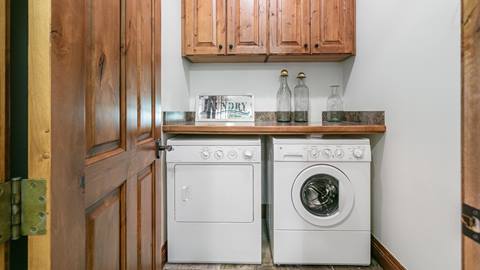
[(23, 206), (471, 222), (160, 147)]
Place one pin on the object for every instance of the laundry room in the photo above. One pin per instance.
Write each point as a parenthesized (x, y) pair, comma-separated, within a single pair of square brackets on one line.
[(239, 134)]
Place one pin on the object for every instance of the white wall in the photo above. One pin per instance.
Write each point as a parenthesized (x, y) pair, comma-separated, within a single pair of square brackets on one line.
[(408, 64)]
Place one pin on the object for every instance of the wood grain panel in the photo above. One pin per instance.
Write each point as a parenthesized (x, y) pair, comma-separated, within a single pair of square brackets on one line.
[(247, 27), (40, 120), (145, 223), (144, 69), (470, 120), (105, 232), (289, 26), (204, 23), (333, 26), (4, 111), (273, 128), (104, 91)]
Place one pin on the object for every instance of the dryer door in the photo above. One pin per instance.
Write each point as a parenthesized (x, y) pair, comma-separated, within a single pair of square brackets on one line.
[(323, 195)]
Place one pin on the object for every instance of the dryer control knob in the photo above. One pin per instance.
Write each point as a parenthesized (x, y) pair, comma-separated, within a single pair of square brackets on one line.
[(219, 154), (248, 154), (205, 154), (358, 153)]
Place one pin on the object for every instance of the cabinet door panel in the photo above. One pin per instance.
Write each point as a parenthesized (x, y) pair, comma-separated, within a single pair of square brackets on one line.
[(333, 26), (247, 27), (204, 27), (290, 26)]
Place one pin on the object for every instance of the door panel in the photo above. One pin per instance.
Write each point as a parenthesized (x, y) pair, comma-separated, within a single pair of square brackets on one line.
[(104, 69), (289, 26), (470, 120), (333, 26), (105, 232), (205, 27), (130, 169), (247, 27)]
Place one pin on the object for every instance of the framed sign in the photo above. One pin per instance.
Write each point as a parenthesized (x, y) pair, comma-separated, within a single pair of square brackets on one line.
[(231, 108)]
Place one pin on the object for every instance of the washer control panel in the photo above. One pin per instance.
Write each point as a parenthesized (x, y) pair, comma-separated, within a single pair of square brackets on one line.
[(339, 153)]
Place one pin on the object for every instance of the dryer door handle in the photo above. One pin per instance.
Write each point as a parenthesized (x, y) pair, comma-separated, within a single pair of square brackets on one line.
[(185, 193)]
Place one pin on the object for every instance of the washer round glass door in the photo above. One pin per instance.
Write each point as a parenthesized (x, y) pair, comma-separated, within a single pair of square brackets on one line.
[(323, 195)]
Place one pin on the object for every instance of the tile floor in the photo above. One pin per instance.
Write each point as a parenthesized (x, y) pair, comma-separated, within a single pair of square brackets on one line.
[(266, 264)]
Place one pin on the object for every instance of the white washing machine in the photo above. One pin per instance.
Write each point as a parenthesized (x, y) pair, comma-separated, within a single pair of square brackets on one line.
[(214, 200), (319, 201)]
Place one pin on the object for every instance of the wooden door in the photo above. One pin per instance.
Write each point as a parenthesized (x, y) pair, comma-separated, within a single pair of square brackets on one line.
[(4, 112), (204, 27), (470, 130), (290, 26), (333, 26), (247, 27), (97, 77)]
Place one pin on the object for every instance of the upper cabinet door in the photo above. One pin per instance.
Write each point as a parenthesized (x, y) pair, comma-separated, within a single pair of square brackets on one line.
[(290, 26), (204, 27), (333, 26), (247, 27)]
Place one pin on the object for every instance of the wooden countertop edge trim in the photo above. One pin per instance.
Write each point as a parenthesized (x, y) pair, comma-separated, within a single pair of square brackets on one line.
[(286, 130)]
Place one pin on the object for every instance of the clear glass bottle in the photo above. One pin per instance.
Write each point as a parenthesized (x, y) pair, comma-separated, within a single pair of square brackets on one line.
[(301, 96), (335, 105), (284, 99)]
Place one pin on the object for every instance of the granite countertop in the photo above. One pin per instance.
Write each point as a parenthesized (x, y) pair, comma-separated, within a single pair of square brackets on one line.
[(355, 123)]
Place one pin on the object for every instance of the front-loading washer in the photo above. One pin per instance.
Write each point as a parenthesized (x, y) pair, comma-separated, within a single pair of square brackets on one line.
[(319, 201), (214, 200)]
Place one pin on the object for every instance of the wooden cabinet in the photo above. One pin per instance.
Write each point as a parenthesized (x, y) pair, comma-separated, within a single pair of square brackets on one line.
[(247, 27), (333, 26), (204, 27), (289, 26), (268, 30)]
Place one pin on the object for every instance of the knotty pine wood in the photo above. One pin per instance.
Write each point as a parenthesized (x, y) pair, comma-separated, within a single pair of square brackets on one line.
[(289, 27), (4, 111), (333, 26), (39, 121), (247, 27), (470, 120), (271, 128), (384, 257), (204, 27)]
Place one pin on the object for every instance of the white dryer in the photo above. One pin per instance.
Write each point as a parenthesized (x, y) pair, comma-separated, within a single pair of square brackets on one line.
[(214, 200), (319, 201)]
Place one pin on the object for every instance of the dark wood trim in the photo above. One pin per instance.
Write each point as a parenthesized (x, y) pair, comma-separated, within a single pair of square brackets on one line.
[(384, 257), (271, 129), (164, 253)]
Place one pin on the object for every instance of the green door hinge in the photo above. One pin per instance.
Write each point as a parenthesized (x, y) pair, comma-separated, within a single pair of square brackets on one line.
[(23, 207)]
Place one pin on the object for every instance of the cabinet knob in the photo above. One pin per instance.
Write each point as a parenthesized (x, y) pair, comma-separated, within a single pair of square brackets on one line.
[(305, 45), (220, 46), (316, 45), (230, 46)]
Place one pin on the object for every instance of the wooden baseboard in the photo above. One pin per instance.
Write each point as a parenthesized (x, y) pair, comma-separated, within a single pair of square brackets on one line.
[(164, 254), (384, 257)]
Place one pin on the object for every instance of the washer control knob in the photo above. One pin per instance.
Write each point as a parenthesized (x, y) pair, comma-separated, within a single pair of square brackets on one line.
[(314, 153), (339, 153), (219, 154), (248, 154), (358, 153), (205, 154), (327, 153), (232, 154)]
